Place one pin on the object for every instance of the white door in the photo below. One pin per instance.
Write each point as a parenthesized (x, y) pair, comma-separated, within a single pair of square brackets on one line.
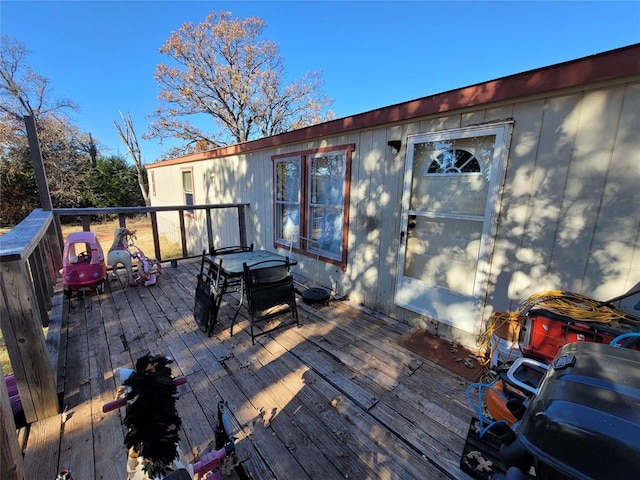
[(449, 209)]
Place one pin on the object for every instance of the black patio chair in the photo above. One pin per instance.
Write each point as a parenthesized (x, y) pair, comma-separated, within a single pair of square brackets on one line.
[(231, 249), (210, 287), (270, 293), (207, 303), (233, 283)]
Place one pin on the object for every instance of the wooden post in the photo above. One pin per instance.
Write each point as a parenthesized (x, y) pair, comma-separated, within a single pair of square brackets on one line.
[(42, 284), (52, 252), (20, 318), (156, 238), (11, 463), (209, 231), (242, 225), (38, 164), (183, 235), (41, 173)]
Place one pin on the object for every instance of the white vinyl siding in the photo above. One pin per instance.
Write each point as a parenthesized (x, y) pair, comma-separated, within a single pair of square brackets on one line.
[(567, 217)]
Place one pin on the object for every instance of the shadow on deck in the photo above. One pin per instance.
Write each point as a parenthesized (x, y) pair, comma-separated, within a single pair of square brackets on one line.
[(335, 398)]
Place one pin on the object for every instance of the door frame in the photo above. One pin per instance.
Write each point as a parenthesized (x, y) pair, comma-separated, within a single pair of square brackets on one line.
[(503, 132)]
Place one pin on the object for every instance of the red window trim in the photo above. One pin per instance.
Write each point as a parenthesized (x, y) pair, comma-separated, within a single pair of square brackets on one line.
[(304, 159)]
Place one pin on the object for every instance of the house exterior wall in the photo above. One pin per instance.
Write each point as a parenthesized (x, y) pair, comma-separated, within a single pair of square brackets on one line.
[(208, 187), (568, 216)]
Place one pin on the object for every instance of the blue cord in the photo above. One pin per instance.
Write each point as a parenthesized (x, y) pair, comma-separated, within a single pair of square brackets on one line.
[(616, 341), (477, 406)]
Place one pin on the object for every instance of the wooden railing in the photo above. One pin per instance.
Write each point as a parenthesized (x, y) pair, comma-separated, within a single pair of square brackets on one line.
[(30, 261), (30, 256), (85, 214)]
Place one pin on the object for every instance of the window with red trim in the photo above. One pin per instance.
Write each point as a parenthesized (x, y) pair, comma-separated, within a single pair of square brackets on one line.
[(311, 199)]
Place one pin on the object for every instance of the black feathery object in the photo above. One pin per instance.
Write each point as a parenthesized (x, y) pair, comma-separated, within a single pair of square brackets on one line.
[(151, 417)]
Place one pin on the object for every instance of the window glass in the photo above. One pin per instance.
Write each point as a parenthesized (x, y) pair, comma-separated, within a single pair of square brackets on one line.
[(187, 188), (153, 184), (455, 161), (326, 203), (465, 162), (309, 196), (288, 201), (187, 184)]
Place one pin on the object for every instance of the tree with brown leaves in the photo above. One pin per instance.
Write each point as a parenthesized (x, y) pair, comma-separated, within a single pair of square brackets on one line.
[(222, 72)]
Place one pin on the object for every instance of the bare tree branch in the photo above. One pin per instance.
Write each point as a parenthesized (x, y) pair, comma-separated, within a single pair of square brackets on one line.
[(127, 134), (22, 91)]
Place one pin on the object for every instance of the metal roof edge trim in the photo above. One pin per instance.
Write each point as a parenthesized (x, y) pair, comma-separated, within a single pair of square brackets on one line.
[(608, 65)]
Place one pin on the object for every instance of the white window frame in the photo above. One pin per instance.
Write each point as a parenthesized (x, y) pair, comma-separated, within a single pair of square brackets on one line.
[(186, 191)]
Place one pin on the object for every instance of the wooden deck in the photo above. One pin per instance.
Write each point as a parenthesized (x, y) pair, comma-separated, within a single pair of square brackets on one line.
[(335, 398)]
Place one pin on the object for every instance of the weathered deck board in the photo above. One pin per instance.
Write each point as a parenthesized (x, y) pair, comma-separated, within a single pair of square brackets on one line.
[(107, 428), (335, 398), (76, 447)]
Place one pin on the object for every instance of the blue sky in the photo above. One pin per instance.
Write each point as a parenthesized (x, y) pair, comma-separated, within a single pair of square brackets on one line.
[(102, 54)]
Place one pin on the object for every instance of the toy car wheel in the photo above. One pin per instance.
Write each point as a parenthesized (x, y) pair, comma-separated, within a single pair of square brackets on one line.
[(67, 292), (100, 287)]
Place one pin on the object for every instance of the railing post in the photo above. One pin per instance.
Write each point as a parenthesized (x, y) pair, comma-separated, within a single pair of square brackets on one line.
[(53, 245), (38, 163), (242, 225), (11, 462), (210, 231), (20, 318), (183, 235), (41, 282), (156, 238)]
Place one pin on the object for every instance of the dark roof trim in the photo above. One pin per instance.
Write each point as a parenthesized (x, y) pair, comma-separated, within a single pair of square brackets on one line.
[(600, 67)]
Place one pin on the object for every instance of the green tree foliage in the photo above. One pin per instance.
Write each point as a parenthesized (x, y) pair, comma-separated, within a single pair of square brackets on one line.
[(24, 92), (18, 191), (113, 183), (224, 74), (70, 155)]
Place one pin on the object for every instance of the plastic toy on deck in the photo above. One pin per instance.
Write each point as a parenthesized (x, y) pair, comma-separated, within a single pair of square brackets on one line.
[(153, 425), (148, 268), (83, 264), (119, 254), (123, 251)]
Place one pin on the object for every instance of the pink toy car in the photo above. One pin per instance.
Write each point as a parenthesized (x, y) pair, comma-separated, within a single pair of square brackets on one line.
[(83, 265)]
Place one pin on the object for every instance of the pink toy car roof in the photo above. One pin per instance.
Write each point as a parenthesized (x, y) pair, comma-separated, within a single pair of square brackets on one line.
[(88, 238), (82, 237)]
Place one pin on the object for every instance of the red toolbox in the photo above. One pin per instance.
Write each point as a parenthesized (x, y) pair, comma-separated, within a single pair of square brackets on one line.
[(545, 332)]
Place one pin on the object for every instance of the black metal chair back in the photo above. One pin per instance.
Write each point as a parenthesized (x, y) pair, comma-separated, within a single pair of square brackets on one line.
[(234, 283), (231, 249), (270, 294), (207, 303), (210, 287)]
